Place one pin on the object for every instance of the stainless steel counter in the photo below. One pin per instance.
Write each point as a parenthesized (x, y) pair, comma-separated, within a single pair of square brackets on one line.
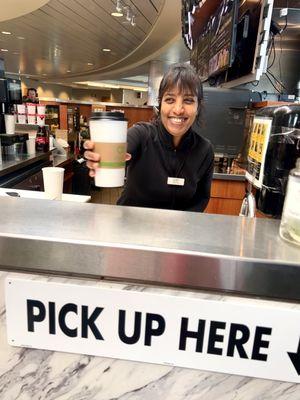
[(155, 246), (20, 161)]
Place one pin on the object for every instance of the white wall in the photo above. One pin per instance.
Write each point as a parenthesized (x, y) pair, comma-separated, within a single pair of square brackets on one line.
[(131, 97), (91, 95)]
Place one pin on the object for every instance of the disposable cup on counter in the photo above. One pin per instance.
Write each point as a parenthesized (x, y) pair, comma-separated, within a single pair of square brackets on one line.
[(30, 143), (53, 178), (108, 131)]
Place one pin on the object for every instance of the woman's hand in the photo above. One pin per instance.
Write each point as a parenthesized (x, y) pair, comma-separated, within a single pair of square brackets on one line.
[(94, 158), (91, 157)]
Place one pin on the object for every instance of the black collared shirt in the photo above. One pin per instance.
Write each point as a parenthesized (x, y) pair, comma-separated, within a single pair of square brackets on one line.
[(155, 159)]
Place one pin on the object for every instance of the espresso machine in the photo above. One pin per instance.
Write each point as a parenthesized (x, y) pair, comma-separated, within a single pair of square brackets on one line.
[(274, 147), (11, 145)]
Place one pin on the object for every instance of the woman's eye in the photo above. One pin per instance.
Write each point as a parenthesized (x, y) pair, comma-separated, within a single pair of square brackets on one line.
[(169, 99), (189, 100)]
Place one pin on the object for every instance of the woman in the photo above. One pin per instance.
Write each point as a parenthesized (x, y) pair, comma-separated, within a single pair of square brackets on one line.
[(171, 165)]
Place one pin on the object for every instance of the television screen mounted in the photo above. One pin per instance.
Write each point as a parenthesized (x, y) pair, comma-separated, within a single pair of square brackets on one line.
[(230, 46)]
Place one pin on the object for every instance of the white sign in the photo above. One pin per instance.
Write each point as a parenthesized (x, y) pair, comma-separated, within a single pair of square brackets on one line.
[(216, 336)]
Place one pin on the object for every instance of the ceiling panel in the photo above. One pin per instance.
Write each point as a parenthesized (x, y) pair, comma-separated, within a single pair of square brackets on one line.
[(69, 34)]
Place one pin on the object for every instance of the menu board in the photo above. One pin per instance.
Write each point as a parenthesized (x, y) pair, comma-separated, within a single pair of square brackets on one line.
[(215, 44), (194, 57), (221, 31), (259, 140), (203, 54)]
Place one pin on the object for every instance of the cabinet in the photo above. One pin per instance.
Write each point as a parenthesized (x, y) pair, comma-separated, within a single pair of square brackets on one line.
[(226, 197), (33, 182)]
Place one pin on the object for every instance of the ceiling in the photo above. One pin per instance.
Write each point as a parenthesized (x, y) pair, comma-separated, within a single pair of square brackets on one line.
[(64, 39)]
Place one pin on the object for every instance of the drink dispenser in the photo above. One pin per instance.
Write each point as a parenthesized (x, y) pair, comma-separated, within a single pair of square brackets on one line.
[(273, 150)]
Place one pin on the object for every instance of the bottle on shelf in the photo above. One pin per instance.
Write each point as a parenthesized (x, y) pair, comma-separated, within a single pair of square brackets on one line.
[(290, 221), (42, 139)]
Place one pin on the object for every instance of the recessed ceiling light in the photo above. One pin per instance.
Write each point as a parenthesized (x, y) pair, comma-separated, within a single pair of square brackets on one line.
[(16, 52), (3, 50), (117, 14), (6, 33), (90, 64), (20, 37), (107, 50), (44, 74), (68, 70)]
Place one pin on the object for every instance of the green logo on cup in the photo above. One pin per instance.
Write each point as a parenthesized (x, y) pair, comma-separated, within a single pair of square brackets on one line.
[(121, 149)]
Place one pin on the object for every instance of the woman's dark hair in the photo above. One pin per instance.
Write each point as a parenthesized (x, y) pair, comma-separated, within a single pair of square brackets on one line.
[(185, 78)]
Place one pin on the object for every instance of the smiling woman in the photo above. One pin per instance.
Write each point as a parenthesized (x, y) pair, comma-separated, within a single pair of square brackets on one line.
[(171, 164)]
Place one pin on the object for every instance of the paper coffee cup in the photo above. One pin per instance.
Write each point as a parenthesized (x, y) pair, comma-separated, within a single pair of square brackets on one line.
[(30, 146), (108, 130), (9, 124), (21, 108), (22, 118), (40, 117), (53, 182)]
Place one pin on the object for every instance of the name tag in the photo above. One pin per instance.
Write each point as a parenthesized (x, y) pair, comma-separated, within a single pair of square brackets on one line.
[(175, 181)]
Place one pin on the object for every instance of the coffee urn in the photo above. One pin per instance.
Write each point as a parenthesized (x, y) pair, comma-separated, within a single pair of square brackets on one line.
[(273, 149)]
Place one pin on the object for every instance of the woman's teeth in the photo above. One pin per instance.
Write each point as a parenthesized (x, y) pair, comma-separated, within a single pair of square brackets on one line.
[(177, 120)]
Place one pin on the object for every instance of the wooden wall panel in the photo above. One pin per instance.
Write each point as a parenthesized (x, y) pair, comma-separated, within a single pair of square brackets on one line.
[(63, 116), (85, 110), (223, 206), (134, 114), (228, 189)]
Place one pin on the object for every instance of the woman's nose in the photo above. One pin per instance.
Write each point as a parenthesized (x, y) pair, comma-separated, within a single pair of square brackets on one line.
[(178, 107)]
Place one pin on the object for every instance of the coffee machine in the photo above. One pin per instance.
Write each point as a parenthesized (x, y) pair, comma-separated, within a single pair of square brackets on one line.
[(11, 145), (274, 147)]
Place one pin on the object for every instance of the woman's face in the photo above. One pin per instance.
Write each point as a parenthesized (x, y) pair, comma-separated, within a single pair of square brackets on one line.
[(178, 111)]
